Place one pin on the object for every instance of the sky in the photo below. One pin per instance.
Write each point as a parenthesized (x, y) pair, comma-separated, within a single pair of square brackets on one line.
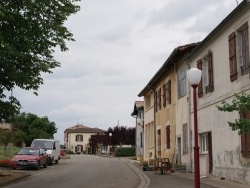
[(120, 45)]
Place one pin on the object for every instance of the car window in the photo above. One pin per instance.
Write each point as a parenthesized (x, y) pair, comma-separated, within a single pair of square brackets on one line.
[(28, 151)]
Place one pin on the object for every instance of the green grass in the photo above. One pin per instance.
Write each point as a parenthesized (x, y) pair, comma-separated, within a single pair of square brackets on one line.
[(10, 152)]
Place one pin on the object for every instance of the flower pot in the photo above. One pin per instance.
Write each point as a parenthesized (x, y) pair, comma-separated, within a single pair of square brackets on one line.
[(4, 171)]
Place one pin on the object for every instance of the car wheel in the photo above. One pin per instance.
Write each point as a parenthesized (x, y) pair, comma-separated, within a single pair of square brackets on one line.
[(56, 161), (38, 165), (45, 164)]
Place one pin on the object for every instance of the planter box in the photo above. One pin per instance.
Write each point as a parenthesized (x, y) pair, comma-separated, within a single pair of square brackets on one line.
[(5, 171)]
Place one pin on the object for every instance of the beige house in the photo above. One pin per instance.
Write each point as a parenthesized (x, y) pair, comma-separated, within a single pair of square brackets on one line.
[(76, 139), (160, 106)]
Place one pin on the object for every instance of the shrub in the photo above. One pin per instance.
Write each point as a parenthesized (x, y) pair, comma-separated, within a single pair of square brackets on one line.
[(125, 152), (7, 163)]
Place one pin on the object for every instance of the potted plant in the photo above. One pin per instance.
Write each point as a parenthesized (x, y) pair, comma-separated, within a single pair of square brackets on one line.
[(6, 167), (144, 165)]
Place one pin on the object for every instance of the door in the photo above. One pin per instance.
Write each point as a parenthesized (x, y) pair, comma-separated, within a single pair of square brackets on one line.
[(210, 153), (179, 150)]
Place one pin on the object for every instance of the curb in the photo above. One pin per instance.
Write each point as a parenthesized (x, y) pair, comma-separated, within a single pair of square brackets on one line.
[(19, 178)]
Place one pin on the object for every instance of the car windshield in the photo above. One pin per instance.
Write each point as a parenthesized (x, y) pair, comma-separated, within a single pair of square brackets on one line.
[(29, 151), (42, 144)]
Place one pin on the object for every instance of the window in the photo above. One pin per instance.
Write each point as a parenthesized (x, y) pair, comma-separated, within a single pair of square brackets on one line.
[(159, 98), (243, 49), (239, 52), (166, 89), (185, 139), (245, 138), (182, 83), (207, 82), (79, 138), (168, 137), (204, 143)]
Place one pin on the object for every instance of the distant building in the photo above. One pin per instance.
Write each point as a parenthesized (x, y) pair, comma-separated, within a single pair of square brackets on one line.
[(76, 138), (5, 126), (138, 113)]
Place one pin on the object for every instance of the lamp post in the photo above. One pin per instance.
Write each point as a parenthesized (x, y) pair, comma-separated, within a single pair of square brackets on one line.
[(194, 77), (110, 134)]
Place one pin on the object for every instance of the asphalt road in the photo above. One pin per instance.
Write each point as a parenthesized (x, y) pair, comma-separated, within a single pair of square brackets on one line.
[(83, 171)]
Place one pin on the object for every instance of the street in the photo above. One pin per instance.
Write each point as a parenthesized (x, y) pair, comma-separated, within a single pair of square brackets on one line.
[(83, 171)]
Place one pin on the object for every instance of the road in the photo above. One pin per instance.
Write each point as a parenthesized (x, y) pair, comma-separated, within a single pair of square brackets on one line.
[(83, 171)]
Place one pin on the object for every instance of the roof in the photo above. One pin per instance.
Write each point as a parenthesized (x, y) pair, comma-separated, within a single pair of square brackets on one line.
[(83, 129), (174, 57), (243, 5), (137, 106)]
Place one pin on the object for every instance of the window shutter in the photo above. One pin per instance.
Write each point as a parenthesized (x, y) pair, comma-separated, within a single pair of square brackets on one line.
[(76, 137), (210, 71), (245, 47), (232, 56), (200, 87), (159, 96), (155, 104), (168, 136), (169, 91), (245, 138), (164, 95)]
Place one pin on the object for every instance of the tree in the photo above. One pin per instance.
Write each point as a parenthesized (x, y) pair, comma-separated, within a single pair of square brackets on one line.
[(241, 104), (29, 33), (7, 137), (34, 127)]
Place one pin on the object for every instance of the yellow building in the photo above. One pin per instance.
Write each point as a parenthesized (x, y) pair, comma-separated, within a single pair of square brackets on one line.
[(160, 96)]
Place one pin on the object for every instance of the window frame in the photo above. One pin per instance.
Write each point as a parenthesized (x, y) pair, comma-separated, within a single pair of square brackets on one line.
[(182, 87)]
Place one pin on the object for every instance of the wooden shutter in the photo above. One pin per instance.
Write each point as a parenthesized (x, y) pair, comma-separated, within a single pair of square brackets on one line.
[(200, 86), (210, 71), (164, 95), (168, 136), (159, 97), (232, 56), (169, 92), (245, 138), (155, 103), (245, 47)]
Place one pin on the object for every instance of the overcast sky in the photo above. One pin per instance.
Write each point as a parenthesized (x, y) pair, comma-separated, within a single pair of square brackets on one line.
[(120, 45)]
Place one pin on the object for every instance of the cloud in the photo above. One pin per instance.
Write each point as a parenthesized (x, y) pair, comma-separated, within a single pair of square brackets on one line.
[(119, 47)]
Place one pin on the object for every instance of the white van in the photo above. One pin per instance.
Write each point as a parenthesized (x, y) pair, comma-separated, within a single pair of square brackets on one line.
[(52, 148)]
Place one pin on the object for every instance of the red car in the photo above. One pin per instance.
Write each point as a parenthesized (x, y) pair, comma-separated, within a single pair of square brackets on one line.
[(31, 157)]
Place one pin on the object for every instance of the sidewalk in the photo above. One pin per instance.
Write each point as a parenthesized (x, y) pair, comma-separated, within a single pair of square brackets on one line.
[(182, 180)]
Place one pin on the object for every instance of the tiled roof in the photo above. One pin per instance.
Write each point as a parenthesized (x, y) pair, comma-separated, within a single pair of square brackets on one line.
[(83, 129)]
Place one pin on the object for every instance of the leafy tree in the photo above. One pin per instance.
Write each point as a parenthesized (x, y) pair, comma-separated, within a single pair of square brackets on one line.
[(241, 104), (7, 137), (99, 139), (29, 33), (34, 127)]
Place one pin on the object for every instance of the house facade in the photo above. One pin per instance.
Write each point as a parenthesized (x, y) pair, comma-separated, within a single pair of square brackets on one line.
[(76, 139), (223, 57), (160, 106), (138, 114)]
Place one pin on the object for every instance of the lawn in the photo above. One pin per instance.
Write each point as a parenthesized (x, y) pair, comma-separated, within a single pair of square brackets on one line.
[(10, 152)]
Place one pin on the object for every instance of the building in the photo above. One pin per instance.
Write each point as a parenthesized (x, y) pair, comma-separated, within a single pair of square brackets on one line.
[(76, 139), (160, 96), (223, 57), (138, 114)]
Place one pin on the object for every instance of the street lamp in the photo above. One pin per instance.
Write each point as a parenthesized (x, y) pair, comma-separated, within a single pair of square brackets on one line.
[(110, 134), (194, 77)]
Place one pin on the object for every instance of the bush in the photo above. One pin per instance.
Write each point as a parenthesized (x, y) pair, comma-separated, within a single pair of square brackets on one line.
[(124, 152), (7, 163)]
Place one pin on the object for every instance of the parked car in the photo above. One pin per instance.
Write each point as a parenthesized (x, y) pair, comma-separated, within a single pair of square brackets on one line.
[(31, 157)]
